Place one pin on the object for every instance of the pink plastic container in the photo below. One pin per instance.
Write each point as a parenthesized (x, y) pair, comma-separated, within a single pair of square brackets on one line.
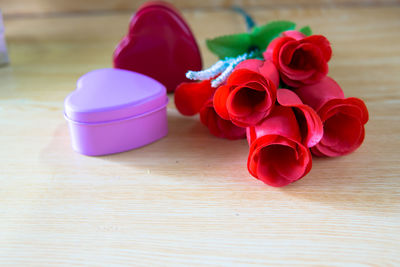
[(114, 110)]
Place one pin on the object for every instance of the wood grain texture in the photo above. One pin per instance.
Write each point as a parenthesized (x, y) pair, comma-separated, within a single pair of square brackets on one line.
[(188, 199)]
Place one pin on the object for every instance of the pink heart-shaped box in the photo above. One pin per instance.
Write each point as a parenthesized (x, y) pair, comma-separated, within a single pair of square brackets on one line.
[(114, 110), (159, 44)]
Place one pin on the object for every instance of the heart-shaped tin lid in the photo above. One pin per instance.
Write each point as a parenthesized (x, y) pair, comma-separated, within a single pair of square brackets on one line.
[(112, 94)]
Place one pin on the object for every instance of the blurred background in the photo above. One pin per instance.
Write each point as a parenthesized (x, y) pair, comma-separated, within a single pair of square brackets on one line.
[(59, 40), (23, 7)]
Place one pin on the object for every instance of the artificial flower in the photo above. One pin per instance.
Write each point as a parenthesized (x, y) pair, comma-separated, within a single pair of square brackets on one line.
[(343, 118), (283, 126), (246, 98), (300, 61), (277, 155)]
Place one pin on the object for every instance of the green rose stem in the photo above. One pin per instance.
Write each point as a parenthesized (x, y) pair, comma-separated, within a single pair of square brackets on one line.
[(250, 24)]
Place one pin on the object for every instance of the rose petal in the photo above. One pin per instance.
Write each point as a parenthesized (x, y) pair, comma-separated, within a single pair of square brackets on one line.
[(190, 97), (273, 46), (286, 53), (310, 124), (269, 71), (281, 121), (288, 98), (305, 53), (318, 94), (294, 34), (217, 125), (289, 75), (272, 51), (220, 97), (264, 67), (343, 135), (351, 105), (243, 100), (322, 43), (305, 57), (316, 152), (319, 64), (243, 76), (250, 64), (361, 105), (230, 131)]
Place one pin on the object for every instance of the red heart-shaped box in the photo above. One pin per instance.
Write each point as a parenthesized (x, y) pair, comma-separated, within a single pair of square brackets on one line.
[(159, 44)]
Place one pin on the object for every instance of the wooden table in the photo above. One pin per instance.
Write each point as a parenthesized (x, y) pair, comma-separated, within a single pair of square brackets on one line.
[(188, 199)]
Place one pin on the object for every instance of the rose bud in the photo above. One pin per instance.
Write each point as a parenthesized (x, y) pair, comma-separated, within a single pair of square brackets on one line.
[(218, 126), (190, 97), (277, 156), (300, 61), (343, 118), (247, 97)]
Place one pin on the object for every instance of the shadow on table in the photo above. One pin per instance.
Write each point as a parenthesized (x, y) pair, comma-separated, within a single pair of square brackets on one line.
[(189, 153), (355, 181), (189, 150)]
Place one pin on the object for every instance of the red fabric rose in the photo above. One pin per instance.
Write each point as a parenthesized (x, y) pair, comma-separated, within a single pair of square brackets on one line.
[(247, 97), (218, 126), (343, 118), (192, 98), (277, 155), (300, 61)]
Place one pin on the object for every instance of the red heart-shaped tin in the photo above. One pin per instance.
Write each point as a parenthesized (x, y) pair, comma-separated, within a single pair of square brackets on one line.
[(159, 44)]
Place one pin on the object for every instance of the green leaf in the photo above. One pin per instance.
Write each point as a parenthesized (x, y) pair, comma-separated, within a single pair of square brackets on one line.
[(229, 45), (261, 36), (306, 30)]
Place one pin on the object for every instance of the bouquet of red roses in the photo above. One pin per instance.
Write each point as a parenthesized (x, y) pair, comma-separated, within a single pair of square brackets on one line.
[(271, 86)]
